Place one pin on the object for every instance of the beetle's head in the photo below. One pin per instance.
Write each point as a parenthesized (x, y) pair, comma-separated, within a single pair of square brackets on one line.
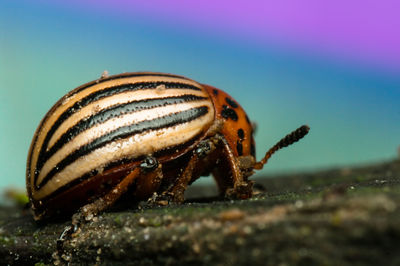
[(238, 130), (236, 127)]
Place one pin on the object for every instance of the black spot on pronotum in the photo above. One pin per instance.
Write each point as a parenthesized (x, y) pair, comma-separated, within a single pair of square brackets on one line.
[(229, 113), (231, 102), (240, 133), (215, 92), (239, 148)]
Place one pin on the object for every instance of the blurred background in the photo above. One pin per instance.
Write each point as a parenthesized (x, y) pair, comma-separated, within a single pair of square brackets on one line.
[(334, 65)]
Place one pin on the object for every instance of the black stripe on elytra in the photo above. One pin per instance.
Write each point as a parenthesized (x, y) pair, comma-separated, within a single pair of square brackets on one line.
[(97, 95), (91, 173), (123, 132), (127, 75), (112, 112)]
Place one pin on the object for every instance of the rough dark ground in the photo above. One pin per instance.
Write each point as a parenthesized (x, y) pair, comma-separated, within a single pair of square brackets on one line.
[(342, 216)]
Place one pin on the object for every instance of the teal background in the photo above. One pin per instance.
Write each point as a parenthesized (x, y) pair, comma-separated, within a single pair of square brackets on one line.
[(46, 49)]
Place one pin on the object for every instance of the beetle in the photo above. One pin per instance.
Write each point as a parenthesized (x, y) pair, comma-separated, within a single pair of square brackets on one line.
[(144, 132)]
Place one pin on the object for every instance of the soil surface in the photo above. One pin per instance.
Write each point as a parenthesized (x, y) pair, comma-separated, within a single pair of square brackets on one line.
[(346, 216)]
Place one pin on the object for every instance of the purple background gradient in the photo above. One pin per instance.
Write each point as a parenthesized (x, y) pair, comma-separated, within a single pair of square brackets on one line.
[(363, 30)]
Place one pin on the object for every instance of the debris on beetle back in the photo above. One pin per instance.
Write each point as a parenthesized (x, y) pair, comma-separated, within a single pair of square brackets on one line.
[(104, 74), (160, 89)]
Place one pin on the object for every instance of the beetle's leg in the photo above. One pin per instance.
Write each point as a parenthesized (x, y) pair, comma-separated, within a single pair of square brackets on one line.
[(177, 191), (149, 182), (91, 209), (240, 187), (148, 165)]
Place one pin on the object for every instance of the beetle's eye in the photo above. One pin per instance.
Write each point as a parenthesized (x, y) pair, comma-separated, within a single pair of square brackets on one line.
[(149, 163)]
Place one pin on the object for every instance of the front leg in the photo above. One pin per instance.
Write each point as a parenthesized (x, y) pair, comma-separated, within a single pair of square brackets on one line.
[(232, 182)]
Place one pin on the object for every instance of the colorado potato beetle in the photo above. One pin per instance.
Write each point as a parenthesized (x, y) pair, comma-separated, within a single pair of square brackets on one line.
[(149, 132)]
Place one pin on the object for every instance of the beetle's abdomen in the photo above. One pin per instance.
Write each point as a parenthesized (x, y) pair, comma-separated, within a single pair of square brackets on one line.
[(108, 122)]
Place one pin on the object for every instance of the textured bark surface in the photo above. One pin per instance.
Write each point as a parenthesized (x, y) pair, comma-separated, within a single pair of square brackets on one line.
[(339, 217)]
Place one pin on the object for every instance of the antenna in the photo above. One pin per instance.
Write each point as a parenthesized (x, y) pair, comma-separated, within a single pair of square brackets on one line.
[(284, 142)]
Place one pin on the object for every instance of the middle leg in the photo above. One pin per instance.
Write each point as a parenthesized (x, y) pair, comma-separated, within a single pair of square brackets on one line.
[(176, 193)]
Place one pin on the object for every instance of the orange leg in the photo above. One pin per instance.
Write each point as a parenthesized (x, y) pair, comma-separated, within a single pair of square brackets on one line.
[(89, 210), (148, 183), (177, 192), (232, 184)]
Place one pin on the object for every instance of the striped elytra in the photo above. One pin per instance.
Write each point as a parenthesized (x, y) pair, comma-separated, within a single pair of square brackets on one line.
[(92, 144)]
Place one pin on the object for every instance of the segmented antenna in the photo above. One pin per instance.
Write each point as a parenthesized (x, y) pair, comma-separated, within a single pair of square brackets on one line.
[(284, 142)]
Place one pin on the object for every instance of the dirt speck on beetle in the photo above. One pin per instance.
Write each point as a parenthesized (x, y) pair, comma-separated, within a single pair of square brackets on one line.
[(160, 89)]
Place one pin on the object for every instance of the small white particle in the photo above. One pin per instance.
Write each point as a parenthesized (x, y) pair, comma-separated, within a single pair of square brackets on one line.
[(100, 169), (299, 204), (247, 230), (104, 74), (142, 221), (89, 217)]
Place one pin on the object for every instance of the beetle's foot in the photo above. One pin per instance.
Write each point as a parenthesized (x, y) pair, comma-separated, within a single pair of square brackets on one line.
[(160, 200), (68, 231), (243, 190), (60, 255), (77, 218)]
